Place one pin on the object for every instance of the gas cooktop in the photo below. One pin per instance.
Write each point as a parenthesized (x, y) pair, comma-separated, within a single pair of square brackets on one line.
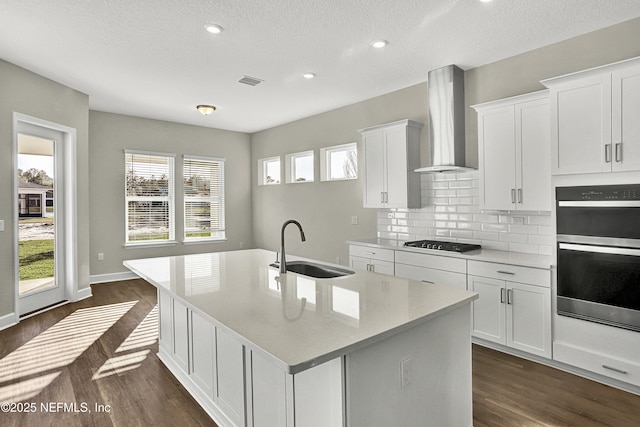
[(442, 246)]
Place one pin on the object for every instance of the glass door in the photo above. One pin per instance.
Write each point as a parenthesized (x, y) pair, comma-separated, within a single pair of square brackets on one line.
[(39, 232)]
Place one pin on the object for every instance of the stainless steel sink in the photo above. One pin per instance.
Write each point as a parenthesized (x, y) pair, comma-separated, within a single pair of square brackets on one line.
[(311, 269)]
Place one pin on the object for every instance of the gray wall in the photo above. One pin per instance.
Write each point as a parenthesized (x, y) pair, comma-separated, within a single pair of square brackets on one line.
[(111, 134), (325, 209), (28, 93)]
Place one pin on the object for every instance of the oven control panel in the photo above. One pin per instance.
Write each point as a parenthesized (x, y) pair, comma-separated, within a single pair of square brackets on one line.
[(599, 192)]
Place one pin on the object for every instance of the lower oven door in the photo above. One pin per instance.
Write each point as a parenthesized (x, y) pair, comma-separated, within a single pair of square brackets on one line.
[(600, 284)]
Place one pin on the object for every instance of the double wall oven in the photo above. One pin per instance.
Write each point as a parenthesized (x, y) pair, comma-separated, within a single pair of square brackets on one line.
[(599, 254)]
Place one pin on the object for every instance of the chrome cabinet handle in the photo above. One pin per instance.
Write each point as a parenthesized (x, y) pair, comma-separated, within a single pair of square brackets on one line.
[(501, 295), (511, 273), (611, 368), (513, 195), (386, 197), (382, 197), (519, 195), (427, 281), (509, 296), (607, 153), (618, 151)]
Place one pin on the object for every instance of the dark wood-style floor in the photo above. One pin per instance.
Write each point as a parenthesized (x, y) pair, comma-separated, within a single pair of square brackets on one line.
[(102, 351)]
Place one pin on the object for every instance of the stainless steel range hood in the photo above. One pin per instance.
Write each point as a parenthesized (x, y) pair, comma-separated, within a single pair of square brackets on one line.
[(446, 120)]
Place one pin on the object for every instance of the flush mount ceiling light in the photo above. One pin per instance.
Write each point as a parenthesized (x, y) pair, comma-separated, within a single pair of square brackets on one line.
[(206, 109), (213, 28), (486, 1), (308, 75), (378, 44)]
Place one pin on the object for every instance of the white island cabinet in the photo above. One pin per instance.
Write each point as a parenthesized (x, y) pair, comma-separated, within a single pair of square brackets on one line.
[(256, 348)]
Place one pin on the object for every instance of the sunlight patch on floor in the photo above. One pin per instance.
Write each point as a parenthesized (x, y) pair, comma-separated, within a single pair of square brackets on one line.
[(144, 335), (26, 371)]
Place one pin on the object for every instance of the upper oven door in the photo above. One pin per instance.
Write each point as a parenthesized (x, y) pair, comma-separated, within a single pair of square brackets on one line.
[(618, 219)]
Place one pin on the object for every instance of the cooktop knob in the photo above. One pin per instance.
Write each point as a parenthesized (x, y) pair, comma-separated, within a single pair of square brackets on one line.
[(439, 246)]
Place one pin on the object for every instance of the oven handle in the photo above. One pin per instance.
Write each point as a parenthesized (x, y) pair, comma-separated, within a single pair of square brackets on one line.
[(600, 249), (599, 203)]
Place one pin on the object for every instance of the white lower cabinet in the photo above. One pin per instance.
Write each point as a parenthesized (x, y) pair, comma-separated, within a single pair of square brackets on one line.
[(432, 269), (239, 387), (510, 312), (377, 260)]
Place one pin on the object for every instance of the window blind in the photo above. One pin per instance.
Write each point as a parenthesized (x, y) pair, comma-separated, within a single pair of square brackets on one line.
[(149, 194), (203, 198)]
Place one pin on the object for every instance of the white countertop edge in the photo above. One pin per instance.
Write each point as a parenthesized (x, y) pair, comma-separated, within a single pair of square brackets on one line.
[(297, 367), (489, 255)]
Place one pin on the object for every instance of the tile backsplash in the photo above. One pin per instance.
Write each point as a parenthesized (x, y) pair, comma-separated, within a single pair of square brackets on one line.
[(451, 212)]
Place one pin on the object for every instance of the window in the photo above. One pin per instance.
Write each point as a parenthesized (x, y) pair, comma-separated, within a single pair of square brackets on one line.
[(300, 167), (149, 196), (339, 162), (269, 171), (203, 198)]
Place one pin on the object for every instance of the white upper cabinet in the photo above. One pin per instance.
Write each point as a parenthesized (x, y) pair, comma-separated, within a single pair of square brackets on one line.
[(391, 152), (514, 153), (594, 126)]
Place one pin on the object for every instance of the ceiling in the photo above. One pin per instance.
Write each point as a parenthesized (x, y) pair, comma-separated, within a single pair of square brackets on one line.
[(154, 59)]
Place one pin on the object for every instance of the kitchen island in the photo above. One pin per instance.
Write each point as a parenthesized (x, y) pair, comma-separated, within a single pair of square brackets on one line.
[(256, 348)]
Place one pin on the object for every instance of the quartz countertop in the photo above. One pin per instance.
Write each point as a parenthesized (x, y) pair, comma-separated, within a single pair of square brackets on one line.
[(488, 255), (295, 320)]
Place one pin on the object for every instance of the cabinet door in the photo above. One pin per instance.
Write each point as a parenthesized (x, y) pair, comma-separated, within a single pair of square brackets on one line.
[(360, 264), (625, 122), (529, 318), (533, 156), (202, 355), (374, 169), (488, 312), (581, 125), (166, 321), (383, 267), (268, 388), (180, 335), (496, 138), (396, 167), (230, 377)]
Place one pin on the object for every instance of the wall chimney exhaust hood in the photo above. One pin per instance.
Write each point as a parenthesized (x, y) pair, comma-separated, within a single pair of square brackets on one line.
[(445, 94)]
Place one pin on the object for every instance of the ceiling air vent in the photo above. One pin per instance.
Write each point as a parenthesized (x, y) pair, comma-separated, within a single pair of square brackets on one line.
[(251, 81)]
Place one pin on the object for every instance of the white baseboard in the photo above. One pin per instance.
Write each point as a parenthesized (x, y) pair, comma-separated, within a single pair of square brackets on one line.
[(112, 277), (83, 293), (8, 320)]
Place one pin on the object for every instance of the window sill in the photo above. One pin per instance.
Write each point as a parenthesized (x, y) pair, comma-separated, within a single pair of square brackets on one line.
[(150, 244), (203, 241)]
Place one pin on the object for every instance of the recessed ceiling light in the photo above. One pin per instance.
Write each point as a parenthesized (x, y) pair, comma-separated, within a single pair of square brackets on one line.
[(213, 28), (379, 43), (486, 1), (308, 75)]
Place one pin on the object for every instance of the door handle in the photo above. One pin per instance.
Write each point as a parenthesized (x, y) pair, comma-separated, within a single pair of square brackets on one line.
[(618, 151), (382, 197), (501, 295), (607, 153), (509, 296), (519, 195), (513, 195)]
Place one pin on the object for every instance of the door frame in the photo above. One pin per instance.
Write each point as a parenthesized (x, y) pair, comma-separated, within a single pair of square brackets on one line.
[(69, 279)]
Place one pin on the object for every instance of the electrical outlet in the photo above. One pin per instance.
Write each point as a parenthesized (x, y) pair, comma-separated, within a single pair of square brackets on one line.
[(518, 220), (241, 245), (405, 372), (1, 224), (354, 220), (100, 256), (337, 260)]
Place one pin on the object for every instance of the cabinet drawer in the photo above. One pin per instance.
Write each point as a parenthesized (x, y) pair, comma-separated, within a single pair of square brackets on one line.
[(371, 253), (512, 273), (608, 366), (456, 265), (431, 275)]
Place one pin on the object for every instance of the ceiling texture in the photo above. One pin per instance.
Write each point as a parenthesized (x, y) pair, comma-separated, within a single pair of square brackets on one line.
[(154, 59)]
